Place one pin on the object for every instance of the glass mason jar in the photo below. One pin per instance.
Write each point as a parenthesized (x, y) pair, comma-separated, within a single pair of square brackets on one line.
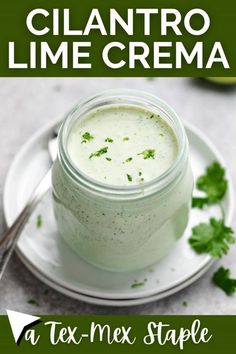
[(122, 228)]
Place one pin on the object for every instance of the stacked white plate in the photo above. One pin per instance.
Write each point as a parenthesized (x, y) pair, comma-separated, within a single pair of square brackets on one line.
[(50, 259)]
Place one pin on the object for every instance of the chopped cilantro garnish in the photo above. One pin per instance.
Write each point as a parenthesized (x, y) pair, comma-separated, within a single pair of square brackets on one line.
[(140, 173), (33, 302), (39, 221), (184, 303), (108, 158), (222, 279), (99, 152), (151, 116), (161, 134), (109, 140), (213, 238), (126, 138), (86, 137), (129, 177), (129, 159), (148, 154), (213, 183), (137, 285)]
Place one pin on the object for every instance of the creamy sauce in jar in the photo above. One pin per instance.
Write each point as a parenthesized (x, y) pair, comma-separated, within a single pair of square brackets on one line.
[(122, 145), (114, 146)]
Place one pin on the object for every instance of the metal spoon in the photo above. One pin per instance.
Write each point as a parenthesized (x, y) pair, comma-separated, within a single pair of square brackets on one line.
[(11, 235)]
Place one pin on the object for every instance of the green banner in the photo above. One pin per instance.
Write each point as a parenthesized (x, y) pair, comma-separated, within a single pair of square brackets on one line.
[(117, 38), (122, 334)]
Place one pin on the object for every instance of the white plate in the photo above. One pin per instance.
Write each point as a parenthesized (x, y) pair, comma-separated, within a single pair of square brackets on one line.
[(46, 255)]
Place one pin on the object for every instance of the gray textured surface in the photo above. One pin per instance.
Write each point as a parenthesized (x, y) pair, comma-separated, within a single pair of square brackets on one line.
[(27, 104)]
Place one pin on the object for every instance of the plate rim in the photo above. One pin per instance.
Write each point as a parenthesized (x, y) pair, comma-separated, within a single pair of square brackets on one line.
[(115, 301), (89, 293)]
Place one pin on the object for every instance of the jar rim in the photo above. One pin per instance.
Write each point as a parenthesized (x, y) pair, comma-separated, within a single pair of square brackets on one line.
[(123, 96)]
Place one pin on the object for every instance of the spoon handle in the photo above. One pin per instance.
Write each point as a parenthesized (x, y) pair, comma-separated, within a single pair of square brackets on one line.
[(11, 235)]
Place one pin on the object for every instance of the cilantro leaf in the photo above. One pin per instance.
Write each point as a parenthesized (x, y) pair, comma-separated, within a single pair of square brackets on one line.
[(33, 302), (137, 285), (86, 137), (222, 279), (148, 154), (213, 238), (129, 177), (213, 183), (109, 140), (99, 152), (199, 202), (129, 159), (39, 221)]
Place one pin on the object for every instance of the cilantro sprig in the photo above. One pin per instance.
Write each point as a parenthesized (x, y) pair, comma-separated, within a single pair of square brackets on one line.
[(222, 279), (213, 184), (213, 238)]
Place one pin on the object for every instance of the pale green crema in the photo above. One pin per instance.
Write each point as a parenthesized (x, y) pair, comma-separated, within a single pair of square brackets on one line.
[(122, 145)]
